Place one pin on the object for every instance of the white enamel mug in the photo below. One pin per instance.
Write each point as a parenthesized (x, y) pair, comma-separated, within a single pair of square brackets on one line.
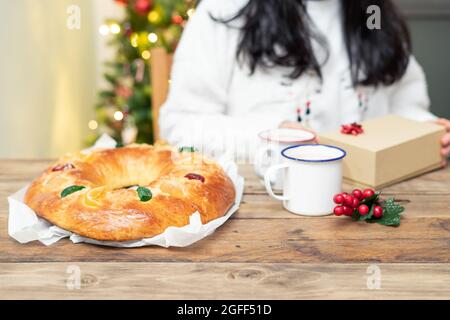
[(312, 176), (271, 143)]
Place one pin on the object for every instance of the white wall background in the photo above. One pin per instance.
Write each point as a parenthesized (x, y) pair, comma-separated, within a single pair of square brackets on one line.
[(49, 75)]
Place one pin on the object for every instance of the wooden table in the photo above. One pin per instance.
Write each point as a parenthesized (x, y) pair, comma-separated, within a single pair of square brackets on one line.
[(262, 252)]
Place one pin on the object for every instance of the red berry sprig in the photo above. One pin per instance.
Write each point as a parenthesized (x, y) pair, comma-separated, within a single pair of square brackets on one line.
[(353, 129), (366, 205)]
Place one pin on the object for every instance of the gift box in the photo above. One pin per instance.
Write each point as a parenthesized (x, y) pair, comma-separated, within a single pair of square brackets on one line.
[(391, 149)]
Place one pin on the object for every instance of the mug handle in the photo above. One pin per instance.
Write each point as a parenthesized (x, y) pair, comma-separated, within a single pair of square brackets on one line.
[(259, 168), (267, 183)]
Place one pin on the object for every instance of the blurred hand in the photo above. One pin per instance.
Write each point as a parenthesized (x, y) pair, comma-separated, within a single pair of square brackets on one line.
[(297, 126), (445, 140)]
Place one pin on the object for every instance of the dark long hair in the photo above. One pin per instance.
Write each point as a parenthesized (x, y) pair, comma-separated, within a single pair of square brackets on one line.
[(279, 33)]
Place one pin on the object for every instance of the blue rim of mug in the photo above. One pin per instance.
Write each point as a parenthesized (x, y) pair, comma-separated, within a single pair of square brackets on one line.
[(344, 153)]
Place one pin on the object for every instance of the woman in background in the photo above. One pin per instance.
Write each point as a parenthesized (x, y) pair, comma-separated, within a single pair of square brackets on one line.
[(243, 66)]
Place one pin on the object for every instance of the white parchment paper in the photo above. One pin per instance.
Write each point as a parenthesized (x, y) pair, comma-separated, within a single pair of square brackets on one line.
[(25, 226)]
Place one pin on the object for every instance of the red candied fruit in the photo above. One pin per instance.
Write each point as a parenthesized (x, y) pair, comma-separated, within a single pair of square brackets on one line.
[(194, 176)]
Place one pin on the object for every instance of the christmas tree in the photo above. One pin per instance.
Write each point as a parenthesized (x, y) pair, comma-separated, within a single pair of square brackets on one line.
[(124, 108)]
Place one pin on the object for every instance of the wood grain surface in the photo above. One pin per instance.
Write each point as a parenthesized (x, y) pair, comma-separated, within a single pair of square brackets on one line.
[(262, 252)]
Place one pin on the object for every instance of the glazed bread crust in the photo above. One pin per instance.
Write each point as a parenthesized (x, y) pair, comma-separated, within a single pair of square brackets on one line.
[(107, 209)]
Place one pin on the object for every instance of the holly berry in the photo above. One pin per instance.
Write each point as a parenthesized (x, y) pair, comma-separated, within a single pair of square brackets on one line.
[(355, 203), (348, 200), (357, 193), (338, 211), (338, 199), (368, 193), (378, 212), (347, 210), (363, 209)]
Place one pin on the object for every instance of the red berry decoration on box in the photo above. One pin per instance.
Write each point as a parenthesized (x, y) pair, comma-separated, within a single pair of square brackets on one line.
[(353, 129), (367, 206)]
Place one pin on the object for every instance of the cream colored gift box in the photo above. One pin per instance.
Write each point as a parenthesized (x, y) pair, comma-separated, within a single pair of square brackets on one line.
[(390, 150)]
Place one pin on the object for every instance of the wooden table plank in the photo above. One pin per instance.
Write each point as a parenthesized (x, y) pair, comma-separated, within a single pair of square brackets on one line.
[(223, 281), (224, 249), (336, 228)]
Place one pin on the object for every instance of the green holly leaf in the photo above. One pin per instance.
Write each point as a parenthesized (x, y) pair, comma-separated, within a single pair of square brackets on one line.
[(119, 145), (186, 149), (70, 190), (393, 207), (392, 213), (356, 216), (144, 194)]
